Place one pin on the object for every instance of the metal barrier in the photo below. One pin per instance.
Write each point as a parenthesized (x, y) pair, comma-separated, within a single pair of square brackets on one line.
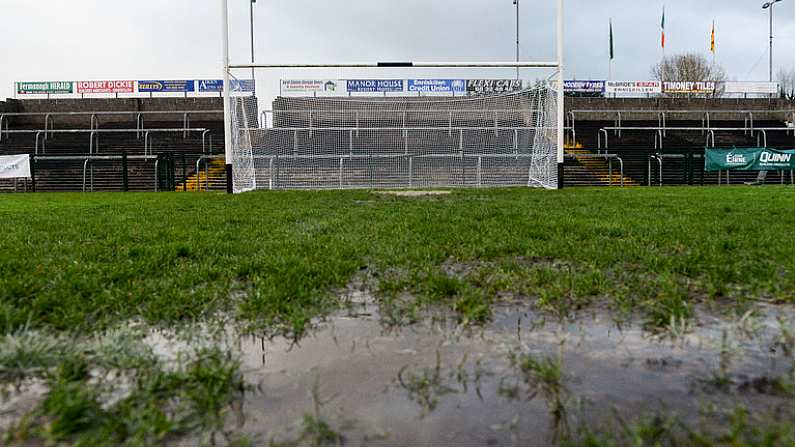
[(609, 158), (3, 119), (206, 173), (95, 134), (49, 122), (273, 159), (660, 133), (88, 175), (659, 158), (659, 161)]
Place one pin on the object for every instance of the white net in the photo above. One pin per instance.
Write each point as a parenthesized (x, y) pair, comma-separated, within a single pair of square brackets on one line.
[(507, 139)]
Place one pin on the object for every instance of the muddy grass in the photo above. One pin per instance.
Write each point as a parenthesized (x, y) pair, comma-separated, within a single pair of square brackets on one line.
[(510, 317), (526, 378)]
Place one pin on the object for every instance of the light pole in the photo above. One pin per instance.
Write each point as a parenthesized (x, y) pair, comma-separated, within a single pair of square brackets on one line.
[(252, 44), (769, 5), (516, 2)]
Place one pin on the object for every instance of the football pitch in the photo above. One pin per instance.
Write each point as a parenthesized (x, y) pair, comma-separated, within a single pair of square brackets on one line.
[(87, 279)]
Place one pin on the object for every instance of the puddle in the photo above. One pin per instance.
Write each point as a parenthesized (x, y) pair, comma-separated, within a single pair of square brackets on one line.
[(434, 384)]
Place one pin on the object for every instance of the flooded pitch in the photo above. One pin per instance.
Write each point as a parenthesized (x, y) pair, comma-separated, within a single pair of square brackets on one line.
[(524, 379), (521, 380)]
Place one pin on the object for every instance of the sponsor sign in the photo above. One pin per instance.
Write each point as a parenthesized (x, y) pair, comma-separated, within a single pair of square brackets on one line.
[(312, 86), (374, 85), (217, 85), (15, 166), (756, 88), (173, 86), (47, 87), (105, 87), (437, 85), (697, 87), (487, 86), (584, 86), (749, 159), (644, 87)]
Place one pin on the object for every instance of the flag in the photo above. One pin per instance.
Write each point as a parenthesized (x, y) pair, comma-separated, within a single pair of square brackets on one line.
[(662, 26), (712, 40), (612, 53)]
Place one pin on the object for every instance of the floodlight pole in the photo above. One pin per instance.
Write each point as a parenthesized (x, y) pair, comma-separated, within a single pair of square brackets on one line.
[(251, 16), (516, 2), (769, 5), (227, 87), (561, 96)]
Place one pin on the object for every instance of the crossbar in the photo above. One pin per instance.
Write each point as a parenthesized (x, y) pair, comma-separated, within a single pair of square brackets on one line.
[(403, 65)]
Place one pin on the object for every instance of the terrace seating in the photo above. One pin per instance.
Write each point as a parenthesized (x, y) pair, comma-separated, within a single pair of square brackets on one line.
[(60, 154)]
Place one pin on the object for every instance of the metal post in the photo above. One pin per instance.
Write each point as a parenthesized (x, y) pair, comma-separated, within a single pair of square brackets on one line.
[(610, 171), (411, 172), (516, 2), (33, 173), (124, 179), (771, 42), (184, 173), (85, 165), (561, 97), (251, 15), (341, 166), (227, 98), (270, 173)]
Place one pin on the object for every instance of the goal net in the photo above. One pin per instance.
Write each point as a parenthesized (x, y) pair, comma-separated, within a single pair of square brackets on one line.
[(475, 140)]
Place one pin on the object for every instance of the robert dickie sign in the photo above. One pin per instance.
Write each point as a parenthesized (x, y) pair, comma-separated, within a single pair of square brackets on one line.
[(106, 87)]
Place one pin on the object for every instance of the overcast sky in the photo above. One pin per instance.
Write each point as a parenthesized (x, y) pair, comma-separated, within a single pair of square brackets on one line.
[(181, 39)]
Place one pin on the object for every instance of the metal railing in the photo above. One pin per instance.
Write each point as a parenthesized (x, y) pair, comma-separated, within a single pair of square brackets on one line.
[(410, 159), (761, 133), (94, 136), (609, 158), (94, 118)]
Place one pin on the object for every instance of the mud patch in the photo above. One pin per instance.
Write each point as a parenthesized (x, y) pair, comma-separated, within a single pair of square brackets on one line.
[(419, 193)]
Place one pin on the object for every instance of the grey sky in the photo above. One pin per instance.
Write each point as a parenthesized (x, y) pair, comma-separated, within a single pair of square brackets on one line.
[(176, 39)]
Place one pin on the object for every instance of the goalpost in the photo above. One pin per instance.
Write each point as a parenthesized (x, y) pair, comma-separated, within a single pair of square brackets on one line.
[(512, 136)]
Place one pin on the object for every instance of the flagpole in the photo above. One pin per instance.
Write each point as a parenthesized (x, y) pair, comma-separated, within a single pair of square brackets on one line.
[(610, 54), (662, 43), (712, 45)]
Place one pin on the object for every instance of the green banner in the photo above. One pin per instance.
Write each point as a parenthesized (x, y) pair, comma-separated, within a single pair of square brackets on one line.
[(749, 159), (43, 88)]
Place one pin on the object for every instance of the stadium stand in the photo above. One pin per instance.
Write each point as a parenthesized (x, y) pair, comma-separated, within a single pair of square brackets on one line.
[(603, 138), (597, 120), (140, 144)]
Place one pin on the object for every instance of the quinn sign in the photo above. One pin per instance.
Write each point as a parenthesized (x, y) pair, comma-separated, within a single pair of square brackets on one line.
[(749, 159)]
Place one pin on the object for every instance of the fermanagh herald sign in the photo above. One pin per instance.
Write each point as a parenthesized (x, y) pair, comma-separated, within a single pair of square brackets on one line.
[(45, 88), (749, 159), (106, 87)]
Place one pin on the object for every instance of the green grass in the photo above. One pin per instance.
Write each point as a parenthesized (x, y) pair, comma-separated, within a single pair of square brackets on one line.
[(76, 269), (79, 262)]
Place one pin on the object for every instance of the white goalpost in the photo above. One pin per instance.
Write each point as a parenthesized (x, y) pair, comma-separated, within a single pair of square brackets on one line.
[(511, 135)]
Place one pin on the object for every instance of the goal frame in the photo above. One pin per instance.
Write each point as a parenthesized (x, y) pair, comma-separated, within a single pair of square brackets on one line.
[(227, 66)]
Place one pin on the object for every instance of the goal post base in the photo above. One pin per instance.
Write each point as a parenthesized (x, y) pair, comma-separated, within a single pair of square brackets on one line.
[(229, 183)]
